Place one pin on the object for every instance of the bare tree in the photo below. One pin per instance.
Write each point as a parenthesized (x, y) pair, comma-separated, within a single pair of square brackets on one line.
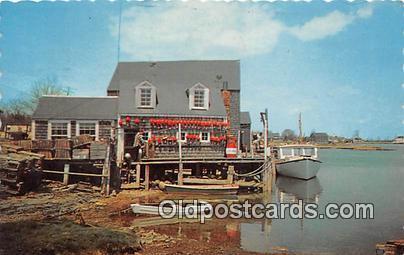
[(27, 104)]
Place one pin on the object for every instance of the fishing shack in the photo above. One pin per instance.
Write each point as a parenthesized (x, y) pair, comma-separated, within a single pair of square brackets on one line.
[(176, 117)]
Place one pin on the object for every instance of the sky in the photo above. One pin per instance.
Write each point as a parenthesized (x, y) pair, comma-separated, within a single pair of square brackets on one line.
[(339, 64)]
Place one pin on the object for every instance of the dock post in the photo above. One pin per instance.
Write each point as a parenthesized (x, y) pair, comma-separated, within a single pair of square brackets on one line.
[(230, 174), (180, 166), (147, 177), (66, 171), (120, 145), (267, 178), (138, 175), (180, 174)]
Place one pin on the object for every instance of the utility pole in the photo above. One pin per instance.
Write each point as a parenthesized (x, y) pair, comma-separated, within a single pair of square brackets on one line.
[(300, 127), (267, 177), (264, 119), (180, 166)]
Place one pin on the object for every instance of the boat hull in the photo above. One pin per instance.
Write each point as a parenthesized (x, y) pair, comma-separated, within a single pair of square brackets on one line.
[(203, 189), (305, 168)]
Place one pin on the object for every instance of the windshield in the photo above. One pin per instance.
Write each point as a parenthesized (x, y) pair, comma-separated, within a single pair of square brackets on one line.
[(287, 151)]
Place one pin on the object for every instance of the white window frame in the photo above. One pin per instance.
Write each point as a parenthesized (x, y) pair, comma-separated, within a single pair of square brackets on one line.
[(199, 86), (97, 127), (179, 137), (50, 123), (139, 87), (204, 141)]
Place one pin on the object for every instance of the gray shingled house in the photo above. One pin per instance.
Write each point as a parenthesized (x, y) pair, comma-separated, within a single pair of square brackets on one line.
[(319, 137), (152, 97)]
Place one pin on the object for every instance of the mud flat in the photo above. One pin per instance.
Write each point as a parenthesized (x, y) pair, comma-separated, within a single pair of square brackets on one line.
[(63, 220)]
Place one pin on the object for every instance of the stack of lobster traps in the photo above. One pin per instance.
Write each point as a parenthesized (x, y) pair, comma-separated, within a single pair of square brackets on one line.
[(20, 171)]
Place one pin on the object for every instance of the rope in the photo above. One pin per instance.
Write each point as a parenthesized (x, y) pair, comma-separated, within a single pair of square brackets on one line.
[(257, 171)]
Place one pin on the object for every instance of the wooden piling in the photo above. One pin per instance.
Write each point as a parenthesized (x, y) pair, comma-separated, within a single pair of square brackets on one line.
[(137, 175), (66, 171), (180, 174), (147, 177), (230, 174)]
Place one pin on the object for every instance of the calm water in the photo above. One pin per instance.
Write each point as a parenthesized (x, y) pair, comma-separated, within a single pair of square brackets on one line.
[(348, 176), (345, 176)]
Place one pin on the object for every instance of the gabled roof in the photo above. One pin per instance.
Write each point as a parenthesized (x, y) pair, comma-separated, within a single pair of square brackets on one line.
[(76, 108), (172, 80), (245, 118)]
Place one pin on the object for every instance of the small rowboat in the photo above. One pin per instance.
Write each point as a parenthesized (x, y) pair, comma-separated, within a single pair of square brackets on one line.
[(167, 208), (230, 189)]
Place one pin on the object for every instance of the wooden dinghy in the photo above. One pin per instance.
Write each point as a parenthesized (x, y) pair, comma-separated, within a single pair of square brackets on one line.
[(230, 189), (167, 209)]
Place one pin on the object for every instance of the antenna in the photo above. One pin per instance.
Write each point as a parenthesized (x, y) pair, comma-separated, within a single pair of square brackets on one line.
[(119, 30)]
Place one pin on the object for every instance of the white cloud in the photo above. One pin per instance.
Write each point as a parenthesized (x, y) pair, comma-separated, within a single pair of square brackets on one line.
[(365, 12), (211, 30), (328, 25), (321, 27)]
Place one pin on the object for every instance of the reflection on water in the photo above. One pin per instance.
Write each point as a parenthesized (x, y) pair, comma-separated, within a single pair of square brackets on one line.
[(256, 236), (345, 177), (290, 190)]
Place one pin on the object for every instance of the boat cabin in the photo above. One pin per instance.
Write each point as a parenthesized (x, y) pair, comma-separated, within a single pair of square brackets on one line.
[(292, 151)]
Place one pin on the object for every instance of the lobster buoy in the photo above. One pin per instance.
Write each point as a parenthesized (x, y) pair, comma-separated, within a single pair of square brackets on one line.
[(127, 120), (231, 148), (120, 122)]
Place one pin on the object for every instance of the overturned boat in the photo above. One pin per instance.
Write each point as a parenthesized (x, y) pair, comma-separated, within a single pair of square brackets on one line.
[(230, 189), (297, 161)]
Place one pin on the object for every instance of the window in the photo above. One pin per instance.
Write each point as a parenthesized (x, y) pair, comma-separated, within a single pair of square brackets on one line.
[(59, 130), (183, 137), (145, 95), (87, 128), (287, 151), (205, 137), (308, 151), (199, 97)]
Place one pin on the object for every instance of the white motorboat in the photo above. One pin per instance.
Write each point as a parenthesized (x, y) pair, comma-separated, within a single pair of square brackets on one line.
[(297, 160)]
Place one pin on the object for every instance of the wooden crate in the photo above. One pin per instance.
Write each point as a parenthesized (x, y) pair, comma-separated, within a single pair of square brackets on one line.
[(82, 140), (98, 150), (62, 144), (42, 144), (62, 154), (46, 153), (81, 153)]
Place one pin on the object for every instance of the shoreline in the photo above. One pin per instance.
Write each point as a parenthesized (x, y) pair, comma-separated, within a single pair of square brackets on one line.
[(359, 147)]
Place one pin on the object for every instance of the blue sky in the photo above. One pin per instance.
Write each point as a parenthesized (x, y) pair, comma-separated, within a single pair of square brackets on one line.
[(339, 63)]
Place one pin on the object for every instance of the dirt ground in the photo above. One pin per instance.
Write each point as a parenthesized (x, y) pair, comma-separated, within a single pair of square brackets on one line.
[(66, 220)]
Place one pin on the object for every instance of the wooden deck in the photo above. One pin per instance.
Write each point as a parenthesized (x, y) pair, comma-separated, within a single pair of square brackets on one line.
[(216, 160)]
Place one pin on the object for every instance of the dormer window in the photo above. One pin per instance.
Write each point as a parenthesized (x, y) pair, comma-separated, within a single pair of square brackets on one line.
[(145, 95), (199, 97)]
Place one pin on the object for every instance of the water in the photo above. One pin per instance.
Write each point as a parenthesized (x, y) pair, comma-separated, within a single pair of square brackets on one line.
[(346, 176), (351, 177)]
